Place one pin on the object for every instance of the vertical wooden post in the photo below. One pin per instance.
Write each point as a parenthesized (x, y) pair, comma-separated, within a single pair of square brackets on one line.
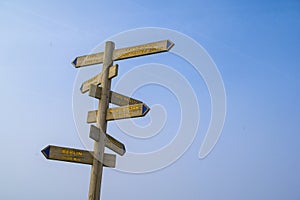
[(97, 167)]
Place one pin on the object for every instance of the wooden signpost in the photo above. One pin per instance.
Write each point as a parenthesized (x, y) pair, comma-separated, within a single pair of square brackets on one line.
[(99, 87)]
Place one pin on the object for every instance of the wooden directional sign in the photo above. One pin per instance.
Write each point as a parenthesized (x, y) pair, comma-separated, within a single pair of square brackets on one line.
[(130, 111), (110, 142), (76, 155), (115, 98), (96, 80), (123, 112), (128, 52)]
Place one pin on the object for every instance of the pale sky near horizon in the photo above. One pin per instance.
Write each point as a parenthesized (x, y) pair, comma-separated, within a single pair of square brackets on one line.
[(255, 45)]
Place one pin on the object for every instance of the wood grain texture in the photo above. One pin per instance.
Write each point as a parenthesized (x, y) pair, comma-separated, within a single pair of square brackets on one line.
[(124, 53), (73, 155)]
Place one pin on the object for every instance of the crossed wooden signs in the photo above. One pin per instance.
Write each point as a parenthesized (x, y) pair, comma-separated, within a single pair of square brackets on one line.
[(96, 80), (129, 107)]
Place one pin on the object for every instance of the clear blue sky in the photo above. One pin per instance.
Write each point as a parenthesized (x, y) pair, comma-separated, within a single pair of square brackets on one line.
[(255, 45)]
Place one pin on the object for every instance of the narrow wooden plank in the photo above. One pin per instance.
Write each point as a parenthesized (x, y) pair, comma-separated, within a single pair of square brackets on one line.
[(128, 52), (110, 142), (123, 112), (76, 155), (115, 98), (96, 80), (92, 116), (86, 60), (122, 100), (109, 160), (142, 50), (114, 145), (129, 111)]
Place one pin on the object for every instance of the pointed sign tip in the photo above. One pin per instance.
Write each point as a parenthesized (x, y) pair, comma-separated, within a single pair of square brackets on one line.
[(46, 151), (145, 109), (170, 44), (74, 62), (82, 89)]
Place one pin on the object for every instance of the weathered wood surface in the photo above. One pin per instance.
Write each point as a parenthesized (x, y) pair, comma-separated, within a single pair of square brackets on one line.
[(123, 112), (76, 155), (110, 142), (96, 80), (128, 52), (115, 98)]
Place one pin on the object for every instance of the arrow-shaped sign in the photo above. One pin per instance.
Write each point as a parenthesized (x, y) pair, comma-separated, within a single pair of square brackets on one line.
[(128, 52), (96, 80), (76, 156), (115, 98), (123, 112), (110, 142), (130, 111)]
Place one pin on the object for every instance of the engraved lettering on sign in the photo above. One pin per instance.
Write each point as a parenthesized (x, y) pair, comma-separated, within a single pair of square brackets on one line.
[(89, 59), (135, 52), (71, 152), (128, 52)]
